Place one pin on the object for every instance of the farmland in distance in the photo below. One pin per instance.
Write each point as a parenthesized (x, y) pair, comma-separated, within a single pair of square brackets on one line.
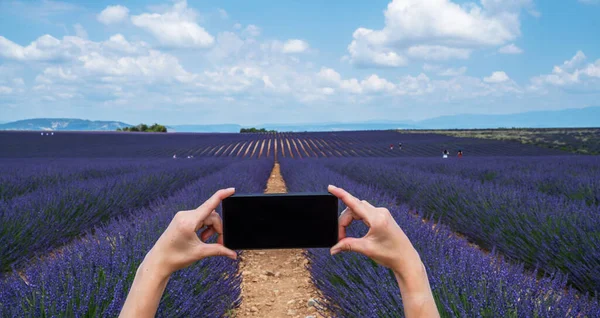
[(508, 229)]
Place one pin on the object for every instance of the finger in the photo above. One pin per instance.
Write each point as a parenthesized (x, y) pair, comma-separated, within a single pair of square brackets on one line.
[(206, 234), (217, 250), (214, 220), (344, 221), (351, 244), (212, 203), (353, 203), (365, 202)]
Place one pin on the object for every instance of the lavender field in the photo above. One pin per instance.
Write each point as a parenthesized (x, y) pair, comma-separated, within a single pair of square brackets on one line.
[(508, 230)]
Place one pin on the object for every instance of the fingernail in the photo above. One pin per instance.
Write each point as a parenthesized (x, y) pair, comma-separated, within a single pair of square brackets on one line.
[(331, 185), (335, 251), (230, 189)]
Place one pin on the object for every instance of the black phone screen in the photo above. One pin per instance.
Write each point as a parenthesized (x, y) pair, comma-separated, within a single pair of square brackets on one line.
[(290, 220)]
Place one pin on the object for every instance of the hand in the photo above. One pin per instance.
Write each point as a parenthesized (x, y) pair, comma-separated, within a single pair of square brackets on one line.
[(179, 246), (385, 242)]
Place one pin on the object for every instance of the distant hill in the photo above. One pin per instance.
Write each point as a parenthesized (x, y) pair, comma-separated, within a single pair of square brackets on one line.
[(566, 118), (63, 124), (231, 128), (339, 126)]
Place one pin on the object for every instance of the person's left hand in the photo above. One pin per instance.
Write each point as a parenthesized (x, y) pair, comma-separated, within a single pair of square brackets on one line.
[(179, 246)]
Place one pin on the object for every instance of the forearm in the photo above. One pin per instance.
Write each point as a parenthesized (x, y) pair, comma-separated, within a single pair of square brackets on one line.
[(417, 297), (146, 291)]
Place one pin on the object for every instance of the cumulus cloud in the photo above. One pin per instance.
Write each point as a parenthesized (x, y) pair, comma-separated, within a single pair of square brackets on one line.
[(251, 31), (437, 52), (497, 77), (44, 48), (449, 72), (295, 46), (436, 30), (574, 74), (80, 31), (5, 90), (113, 14), (372, 84), (510, 49), (176, 27)]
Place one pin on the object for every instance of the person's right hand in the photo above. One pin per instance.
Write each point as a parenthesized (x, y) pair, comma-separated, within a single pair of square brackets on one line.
[(385, 242)]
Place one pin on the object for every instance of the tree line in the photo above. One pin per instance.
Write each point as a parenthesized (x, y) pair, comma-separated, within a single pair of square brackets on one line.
[(145, 128), (255, 130)]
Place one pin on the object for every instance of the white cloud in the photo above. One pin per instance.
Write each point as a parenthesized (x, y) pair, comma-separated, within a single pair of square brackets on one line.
[(223, 14), (436, 30), (176, 27), (575, 62), (45, 48), (328, 91), (55, 73), (113, 14), (497, 77), (295, 46), (80, 31), (329, 75), (510, 49), (267, 82), (155, 66), (374, 83), (118, 43), (362, 53), (5, 90), (251, 31), (415, 85), (437, 52), (448, 72), (573, 75)]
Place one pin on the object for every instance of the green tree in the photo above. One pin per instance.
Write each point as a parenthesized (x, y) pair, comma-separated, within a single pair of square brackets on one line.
[(145, 128)]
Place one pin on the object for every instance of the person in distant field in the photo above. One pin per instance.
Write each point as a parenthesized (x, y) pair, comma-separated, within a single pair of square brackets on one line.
[(391, 146), (459, 154), (445, 154), (179, 247), (175, 156), (399, 146)]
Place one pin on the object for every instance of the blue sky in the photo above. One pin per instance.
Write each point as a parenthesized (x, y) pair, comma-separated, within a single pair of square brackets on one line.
[(252, 62)]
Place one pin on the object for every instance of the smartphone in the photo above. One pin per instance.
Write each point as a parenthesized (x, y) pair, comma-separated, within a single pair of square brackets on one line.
[(286, 220)]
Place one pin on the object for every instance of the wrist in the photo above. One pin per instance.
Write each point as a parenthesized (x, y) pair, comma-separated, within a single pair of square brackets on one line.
[(409, 265), (154, 267)]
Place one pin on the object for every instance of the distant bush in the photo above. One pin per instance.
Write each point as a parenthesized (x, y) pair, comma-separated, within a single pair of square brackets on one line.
[(255, 130), (145, 128)]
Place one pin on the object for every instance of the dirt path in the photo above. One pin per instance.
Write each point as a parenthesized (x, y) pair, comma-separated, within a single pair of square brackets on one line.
[(276, 282)]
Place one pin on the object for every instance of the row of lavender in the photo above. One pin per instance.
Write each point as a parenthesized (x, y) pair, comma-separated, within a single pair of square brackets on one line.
[(74, 195), (289, 145), (572, 178), (90, 276), (550, 232), (19, 176), (466, 282)]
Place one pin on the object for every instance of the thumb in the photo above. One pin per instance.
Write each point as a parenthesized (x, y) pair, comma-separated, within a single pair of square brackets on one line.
[(218, 250), (351, 244)]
